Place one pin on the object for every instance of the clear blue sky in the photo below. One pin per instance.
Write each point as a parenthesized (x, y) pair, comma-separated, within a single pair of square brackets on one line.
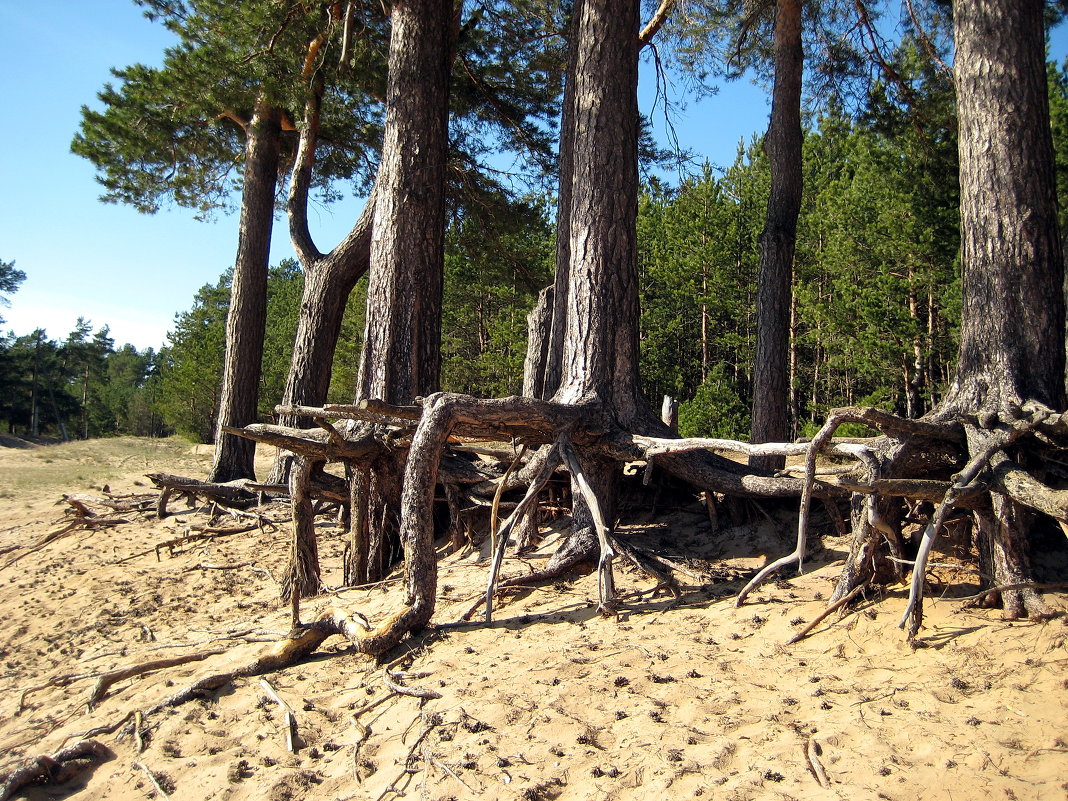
[(133, 272)]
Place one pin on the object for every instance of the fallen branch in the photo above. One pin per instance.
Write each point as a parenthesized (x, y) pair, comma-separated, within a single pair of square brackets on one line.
[(287, 715), (393, 681), (830, 610), (231, 493), (152, 778), (73, 525), (812, 752), (200, 533)]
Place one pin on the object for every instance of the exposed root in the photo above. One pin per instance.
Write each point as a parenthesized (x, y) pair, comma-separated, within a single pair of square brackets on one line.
[(58, 768), (830, 610), (910, 461), (107, 680), (814, 448)]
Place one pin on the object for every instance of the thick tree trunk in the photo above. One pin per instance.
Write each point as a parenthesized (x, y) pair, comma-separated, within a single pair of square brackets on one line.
[(247, 315), (1012, 321), (401, 355), (783, 146), (600, 307)]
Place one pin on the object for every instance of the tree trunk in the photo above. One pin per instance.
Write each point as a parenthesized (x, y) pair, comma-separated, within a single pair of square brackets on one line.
[(600, 308), (401, 355), (1012, 320), (783, 146), (549, 380), (246, 318), (328, 282), (539, 334)]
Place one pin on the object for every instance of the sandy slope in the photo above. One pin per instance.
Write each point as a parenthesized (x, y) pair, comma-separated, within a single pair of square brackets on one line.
[(673, 699)]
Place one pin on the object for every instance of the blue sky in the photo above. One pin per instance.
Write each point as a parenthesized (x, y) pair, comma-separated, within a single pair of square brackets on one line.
[(133, 272)]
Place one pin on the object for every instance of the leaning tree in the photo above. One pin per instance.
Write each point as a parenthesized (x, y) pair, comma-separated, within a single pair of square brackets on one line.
[(224, 100)]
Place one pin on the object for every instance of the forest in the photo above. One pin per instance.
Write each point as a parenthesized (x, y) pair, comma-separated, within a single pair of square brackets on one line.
[(851, 272)]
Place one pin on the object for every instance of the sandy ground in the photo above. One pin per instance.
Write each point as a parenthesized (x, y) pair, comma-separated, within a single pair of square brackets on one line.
[(681, 699)]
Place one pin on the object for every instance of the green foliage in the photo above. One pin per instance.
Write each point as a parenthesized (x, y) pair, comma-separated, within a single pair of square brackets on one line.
[(10, 279), (493, 271), (176, 133), (697, 261), (191, 365), (876, 294), (715, 410), (80, 387)]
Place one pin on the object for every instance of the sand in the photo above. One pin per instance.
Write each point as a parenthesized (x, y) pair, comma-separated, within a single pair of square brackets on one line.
[(683, 698)]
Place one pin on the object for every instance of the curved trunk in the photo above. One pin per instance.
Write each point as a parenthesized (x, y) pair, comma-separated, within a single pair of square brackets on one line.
[(246, 318), (783, 146), (328, 282)]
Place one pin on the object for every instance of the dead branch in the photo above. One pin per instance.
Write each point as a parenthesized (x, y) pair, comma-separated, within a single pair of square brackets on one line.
[(73, 525), (152, 780), (108, 679), (198, 534), (288, 716), (830, 610), (812, 751), (138, 502), (393, 681), (231, 493), (58, 768)]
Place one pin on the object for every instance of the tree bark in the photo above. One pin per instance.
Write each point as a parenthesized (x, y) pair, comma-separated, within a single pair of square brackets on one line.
[(599, 356), (246, 318), (1012, 321), (783, 146), (401, 354), (539, 336), (548, 379)]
